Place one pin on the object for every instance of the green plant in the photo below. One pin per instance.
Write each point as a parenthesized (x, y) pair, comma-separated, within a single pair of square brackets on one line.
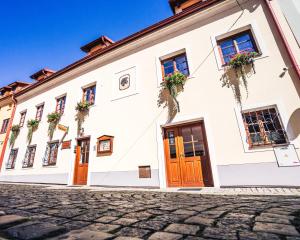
[(15, 130), (82, 109), (32, 126), (53, 120), (172, 82), (83, 106)]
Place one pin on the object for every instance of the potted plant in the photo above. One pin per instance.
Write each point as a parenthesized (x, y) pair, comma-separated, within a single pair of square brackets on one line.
[(82, 109), (15, 130), (83, 106), (173, 82), (32, 126), (53, 120)]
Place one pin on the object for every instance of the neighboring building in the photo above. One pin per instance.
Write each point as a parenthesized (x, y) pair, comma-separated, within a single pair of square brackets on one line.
[(134, 134), (7, 106)]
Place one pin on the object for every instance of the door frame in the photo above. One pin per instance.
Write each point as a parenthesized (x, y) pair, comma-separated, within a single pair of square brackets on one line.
[(178, 126), (183, 120), (75, 161)]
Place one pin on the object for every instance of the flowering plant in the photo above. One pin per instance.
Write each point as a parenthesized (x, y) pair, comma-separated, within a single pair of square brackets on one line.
[(172, 82), (83, 106), (241, 59)]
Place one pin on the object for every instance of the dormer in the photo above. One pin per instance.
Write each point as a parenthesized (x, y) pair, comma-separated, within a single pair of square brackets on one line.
[(178, 6), (98, 44), (42, 74), (12, 88)]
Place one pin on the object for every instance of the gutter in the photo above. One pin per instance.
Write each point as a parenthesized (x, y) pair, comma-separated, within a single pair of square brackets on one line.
[(8, 131), (283, 38)]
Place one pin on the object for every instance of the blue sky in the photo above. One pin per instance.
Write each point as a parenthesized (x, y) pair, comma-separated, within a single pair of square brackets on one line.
[(37, 33)]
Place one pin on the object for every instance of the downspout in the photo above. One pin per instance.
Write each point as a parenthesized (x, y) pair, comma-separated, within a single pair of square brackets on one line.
[(8, 131), (283, 38)]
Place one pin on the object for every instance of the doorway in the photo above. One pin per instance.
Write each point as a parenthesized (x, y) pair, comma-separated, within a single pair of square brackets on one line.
[(82, 161), (187, 156)]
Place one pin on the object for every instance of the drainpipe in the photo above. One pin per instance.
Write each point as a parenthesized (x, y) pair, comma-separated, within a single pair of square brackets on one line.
[(283, 38), (8, 131)]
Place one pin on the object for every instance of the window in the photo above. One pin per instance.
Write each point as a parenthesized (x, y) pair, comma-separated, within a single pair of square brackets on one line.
[(39, 112), (22, 119), (60, 105), (4, 126), (29, 157), (264, 127), (51, 154), (105, 145), (12, 159), (239, 43), (177, 63), (89, 94)]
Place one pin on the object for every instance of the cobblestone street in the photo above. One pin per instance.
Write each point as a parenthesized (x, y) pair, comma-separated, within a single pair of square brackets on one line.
[(37, 212)]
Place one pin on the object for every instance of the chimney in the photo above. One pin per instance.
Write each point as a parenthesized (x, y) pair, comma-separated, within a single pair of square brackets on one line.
[(178, 6), (42, 74), (98, 44)]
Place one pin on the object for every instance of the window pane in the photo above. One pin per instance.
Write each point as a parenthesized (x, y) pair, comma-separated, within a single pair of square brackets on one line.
[(199, 149), (172, 146), (187, 134), (228, 50), (244, 43), (188, 150), (182, 65), (173, 153), (168, 67)]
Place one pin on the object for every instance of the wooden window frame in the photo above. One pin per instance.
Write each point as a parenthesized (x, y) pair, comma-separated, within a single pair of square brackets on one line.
[(5, 124), (58, 108), (174, 63), (233, 36), (84, 91), (262, 131), (26, 162), (11, 164), (22, 118), (39, 114), (105, 138)]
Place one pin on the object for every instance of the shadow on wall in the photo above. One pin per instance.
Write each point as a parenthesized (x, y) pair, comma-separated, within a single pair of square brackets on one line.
[(293, 127)]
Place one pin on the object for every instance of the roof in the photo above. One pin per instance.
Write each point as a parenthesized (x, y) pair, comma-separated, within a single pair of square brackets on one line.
[(175, 3), (43, 71), (191, 10), (103, 40)]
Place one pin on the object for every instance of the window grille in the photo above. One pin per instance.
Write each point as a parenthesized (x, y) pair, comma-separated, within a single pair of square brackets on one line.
[(29, 157), (50, 156), (264, 127), (12, 159)]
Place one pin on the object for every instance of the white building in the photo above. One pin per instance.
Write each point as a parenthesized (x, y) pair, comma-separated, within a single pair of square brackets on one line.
[(133, 135)]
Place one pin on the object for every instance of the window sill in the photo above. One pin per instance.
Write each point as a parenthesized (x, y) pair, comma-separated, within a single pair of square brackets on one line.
[(50, 166)]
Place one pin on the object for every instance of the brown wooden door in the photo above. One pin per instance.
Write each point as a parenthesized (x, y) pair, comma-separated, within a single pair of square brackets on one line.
[(82, 162), (187, 159)]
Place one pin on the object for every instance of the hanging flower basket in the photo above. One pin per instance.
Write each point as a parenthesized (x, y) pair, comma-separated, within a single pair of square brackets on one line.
[(83, 106), (32, 126), (15, 130), (240, 60), (173, 82), (53, 120)]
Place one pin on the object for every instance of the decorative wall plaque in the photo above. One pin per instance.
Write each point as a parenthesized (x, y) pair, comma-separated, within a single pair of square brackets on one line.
[(124, 82), (66, 144), (286, 156)]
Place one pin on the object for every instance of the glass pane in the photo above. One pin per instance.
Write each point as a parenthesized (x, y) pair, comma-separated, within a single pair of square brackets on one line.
[(182, 65), (228, 49), (173, 153), (197, 133), (188, 150), (187, 134), (171, 137), (199, 149), (256, 138), (244, 43), (168, 67)]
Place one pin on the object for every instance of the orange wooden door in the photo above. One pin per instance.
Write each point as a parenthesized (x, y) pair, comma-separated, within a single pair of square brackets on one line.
[(82, 162), (187, 158)]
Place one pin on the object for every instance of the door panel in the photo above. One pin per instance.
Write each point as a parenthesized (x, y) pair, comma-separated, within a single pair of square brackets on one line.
[(187, 159), (82, 162)]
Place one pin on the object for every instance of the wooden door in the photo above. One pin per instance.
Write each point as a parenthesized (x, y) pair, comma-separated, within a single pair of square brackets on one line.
[(82, 162), (187, 159)]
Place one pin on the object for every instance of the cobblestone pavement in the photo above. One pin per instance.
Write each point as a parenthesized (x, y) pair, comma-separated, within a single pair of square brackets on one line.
[(37, 212)]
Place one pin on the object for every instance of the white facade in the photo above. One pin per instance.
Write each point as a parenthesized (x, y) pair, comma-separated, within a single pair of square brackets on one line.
[(134, 119)]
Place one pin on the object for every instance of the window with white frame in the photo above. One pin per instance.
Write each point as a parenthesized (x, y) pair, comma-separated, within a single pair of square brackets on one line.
[(50, 156), (12, 159), (264, 127), (241, 42), (29, 157)]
